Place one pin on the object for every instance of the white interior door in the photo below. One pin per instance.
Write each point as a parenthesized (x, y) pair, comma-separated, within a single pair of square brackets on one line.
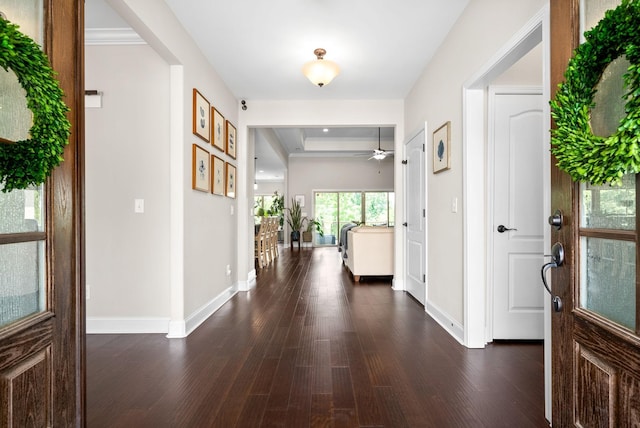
[(416, 212), (518, 219)]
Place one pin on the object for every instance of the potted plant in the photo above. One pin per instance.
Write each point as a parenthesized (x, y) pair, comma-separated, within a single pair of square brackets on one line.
[(295, 219), (277, 210), (277, 207), (307, 235)]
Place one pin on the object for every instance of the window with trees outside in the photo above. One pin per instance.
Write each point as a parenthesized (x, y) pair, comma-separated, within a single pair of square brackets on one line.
[(335, 209)]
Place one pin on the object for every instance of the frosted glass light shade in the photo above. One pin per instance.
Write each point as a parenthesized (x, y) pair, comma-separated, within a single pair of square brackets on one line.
[(320, 71)]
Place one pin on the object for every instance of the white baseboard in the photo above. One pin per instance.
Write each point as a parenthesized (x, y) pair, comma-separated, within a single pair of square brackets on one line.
[(173, 329), (449, 324), (249, 283), (106, 325), (397, 284), (200, 315)]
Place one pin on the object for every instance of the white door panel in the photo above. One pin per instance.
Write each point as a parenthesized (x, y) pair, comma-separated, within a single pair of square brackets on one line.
[(415, 212), (518, 297)]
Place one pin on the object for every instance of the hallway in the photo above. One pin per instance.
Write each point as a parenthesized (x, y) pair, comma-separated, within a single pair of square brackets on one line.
[(308, 348)]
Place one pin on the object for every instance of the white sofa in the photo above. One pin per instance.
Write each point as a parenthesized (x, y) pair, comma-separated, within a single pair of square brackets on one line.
[(369, 251)]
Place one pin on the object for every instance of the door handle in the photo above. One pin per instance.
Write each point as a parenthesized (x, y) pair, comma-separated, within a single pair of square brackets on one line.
[(556, 220), (557, 260), (503, 229), (405, 224)]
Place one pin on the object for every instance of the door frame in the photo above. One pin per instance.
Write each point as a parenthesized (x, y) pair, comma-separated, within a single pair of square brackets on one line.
[(474, 193), (492, 92)]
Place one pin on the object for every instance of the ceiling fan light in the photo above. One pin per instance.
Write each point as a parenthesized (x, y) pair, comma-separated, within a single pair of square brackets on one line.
[(379, 156), (320, 71)]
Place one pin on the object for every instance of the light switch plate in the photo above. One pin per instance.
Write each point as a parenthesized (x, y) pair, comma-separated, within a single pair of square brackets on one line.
[(139, 206)]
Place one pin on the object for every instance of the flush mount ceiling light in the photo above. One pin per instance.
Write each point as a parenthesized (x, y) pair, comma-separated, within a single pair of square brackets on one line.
[(320, 71)]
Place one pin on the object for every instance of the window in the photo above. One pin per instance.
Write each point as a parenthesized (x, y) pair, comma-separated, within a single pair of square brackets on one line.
[(335, 209)]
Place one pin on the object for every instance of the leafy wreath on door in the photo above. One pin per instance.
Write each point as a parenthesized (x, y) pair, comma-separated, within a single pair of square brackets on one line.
[(585, 156), (29, 162)]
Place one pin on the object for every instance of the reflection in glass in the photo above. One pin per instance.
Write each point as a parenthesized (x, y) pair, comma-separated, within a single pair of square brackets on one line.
[(608, 279), (21, 280), (609, 207), (15, 117), (609, 99), (592, 11)]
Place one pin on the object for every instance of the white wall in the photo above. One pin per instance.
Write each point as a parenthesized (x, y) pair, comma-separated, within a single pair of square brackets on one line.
[(268, 187), (265, 114), (307, 174), (483, 28), (198, 237), (127, 157)]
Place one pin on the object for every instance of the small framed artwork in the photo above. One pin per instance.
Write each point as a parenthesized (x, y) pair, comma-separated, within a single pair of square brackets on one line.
[(200, 176), (442, 148), (231, 181), (217, 176), (300, 200), (217, 130), (231, 140), (201, 118)]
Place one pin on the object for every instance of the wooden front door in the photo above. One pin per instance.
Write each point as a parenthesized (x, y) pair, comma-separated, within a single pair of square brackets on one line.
[(596, 335), (41, 245)]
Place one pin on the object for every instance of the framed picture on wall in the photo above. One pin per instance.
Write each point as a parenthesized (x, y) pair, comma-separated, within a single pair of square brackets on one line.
[(218, 129), (300, 200), (217, 176), (442, 148), (201, 118), (231, 181), (200, 176), (231, 140)]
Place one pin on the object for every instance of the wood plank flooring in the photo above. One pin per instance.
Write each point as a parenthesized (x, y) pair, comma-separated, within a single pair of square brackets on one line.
[(309, 348)]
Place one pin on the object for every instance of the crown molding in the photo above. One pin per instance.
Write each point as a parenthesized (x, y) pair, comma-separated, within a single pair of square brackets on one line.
[(112, 36)]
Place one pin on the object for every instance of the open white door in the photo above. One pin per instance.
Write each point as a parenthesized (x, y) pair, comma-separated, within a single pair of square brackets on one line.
[(415, 215), (517, 230)]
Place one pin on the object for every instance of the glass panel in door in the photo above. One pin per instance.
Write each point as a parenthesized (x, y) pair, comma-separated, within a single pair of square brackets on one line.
[(608, 224), (326, 212), (22, 213)]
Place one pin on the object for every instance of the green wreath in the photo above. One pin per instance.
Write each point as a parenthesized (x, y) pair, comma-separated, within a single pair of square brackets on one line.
[(587, 157), (29, 162)]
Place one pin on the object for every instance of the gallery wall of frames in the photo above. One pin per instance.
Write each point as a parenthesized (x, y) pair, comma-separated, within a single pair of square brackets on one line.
[(213, 170)]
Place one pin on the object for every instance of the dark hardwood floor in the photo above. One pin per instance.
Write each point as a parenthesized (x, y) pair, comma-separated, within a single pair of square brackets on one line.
[(308, 348)]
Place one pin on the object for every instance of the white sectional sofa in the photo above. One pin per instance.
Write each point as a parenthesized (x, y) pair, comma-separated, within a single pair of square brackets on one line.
[(369, 251)]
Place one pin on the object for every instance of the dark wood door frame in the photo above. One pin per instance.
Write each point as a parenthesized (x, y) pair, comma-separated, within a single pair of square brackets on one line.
[(565, 28), (65, 30), (50, 346)]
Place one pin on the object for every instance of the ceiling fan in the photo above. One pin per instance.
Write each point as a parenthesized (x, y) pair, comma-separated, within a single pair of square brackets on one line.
[(379, 154)]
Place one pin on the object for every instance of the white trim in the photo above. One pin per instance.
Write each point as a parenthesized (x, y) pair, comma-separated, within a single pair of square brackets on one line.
[(453, 327), (177, 329), (474, 185), (397, 284), (249, 283), (107, 325), (200, 315), (184, 328), (112, 36), (176, 194), (474, 174)]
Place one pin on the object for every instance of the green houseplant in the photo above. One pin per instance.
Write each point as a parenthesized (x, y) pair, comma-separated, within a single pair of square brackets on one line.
[(295, 219), (277, 208), (312, 224)]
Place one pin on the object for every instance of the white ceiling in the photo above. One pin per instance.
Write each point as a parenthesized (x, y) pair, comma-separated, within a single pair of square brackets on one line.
[(258, 48)]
